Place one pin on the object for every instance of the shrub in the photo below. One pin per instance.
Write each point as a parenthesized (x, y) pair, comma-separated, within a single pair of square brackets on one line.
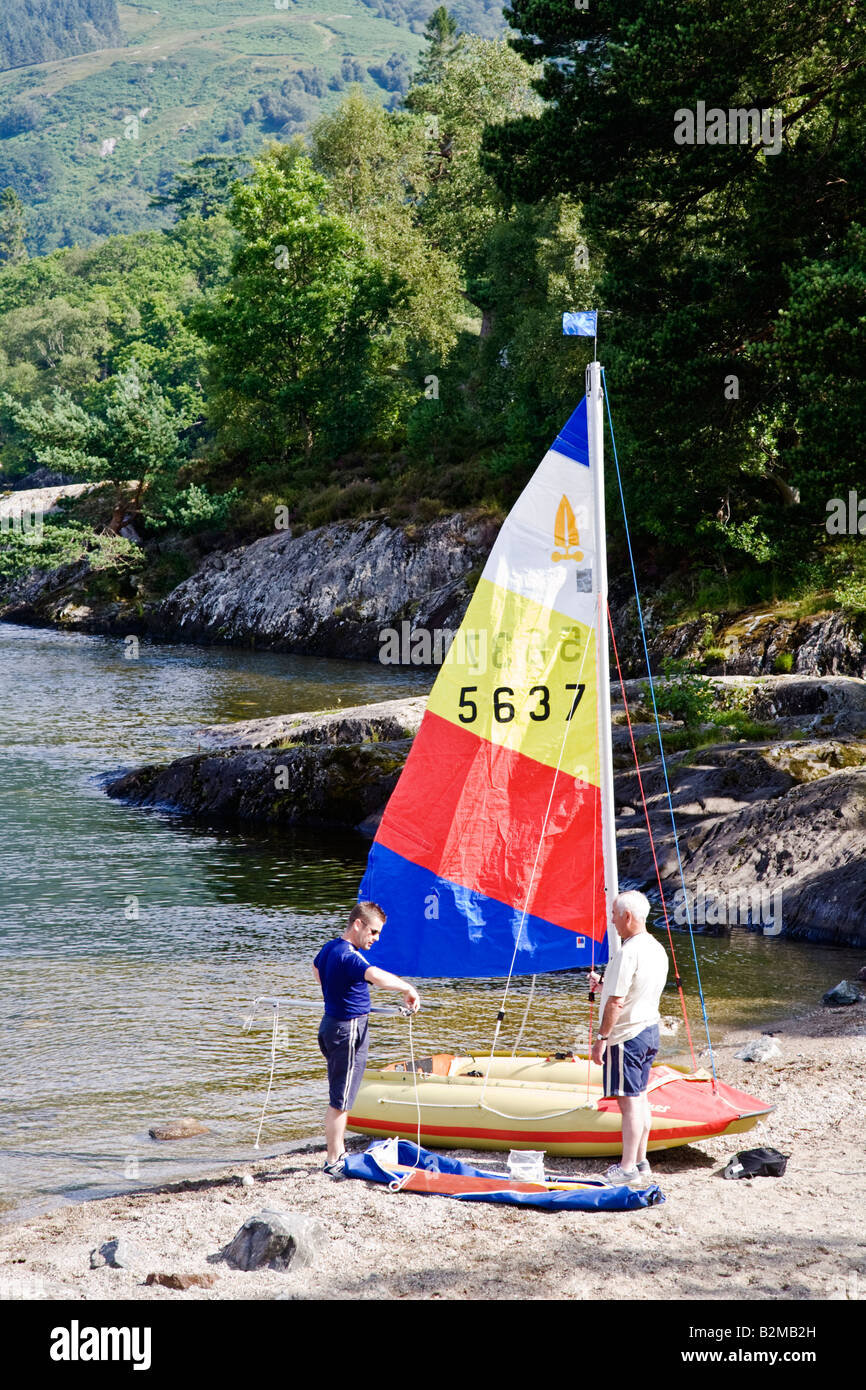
[(683, 694)]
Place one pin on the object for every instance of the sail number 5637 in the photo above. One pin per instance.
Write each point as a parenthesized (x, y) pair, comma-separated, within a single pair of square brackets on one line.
[(504, 708)]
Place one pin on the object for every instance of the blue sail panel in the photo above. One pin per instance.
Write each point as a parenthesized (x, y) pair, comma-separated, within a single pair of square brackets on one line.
[(573, 438), (436, 928)]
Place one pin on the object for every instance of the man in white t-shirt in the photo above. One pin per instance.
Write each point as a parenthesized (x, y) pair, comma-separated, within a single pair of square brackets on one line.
[(628, 1038)]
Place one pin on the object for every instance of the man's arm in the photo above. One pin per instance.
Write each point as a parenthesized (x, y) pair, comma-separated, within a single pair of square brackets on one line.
[(316, 973), (612, 1010), (385, 980)]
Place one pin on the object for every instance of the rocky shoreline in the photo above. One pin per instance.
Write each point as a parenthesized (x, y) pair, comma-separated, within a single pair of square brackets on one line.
[(333, 768), (770, 831), (334, 591), (781, 815), (792, 1239)]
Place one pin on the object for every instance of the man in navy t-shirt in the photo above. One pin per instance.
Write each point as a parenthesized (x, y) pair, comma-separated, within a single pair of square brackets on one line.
[(344, 975)]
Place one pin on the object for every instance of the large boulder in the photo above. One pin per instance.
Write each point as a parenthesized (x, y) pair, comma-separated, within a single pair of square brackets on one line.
[(386, 720), (332, 591), (276, 1239), (754, 642), (306, 785), (843, 993)]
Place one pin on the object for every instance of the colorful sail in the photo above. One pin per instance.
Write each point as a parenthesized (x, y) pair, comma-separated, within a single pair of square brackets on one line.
[(488, 858)]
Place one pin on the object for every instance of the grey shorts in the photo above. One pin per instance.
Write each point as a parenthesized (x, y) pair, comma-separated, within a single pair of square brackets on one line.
[(344, 1044)]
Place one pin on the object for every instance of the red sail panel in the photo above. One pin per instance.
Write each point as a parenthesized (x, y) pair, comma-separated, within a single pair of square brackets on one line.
[(481, 827)]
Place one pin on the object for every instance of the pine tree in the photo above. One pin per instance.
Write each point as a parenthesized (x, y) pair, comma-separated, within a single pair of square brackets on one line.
[(443, 40), (12, 228)]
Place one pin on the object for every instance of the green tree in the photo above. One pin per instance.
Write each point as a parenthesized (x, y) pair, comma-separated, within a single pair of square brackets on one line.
[(514, 378), (481, 83), (133, 435), (75, 318), (443, 40), (376, 164), (817, 354), (202, 187), (12, 228), (299, 355), (699, 242)]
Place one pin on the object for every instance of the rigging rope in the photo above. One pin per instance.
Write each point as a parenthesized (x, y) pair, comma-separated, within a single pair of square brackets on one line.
[(525, 1016), (501, 1014), (274, 1003), (659, 733), (677, 978), (598, 627), (399, 1183)]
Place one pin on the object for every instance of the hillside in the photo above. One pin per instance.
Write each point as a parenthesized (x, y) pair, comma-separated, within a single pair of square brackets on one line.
[(34, 31), (86, 140)]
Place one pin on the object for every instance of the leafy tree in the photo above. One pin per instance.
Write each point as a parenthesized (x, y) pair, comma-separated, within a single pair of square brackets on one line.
[(298, 353), (702, 245), (480, 83), (77, 317), (54, 343), (377, 166), (132, 436), (817, 354), (529, 377), (509, 386)]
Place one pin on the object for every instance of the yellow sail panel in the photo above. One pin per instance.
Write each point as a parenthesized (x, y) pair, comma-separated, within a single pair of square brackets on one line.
[(523, 676)]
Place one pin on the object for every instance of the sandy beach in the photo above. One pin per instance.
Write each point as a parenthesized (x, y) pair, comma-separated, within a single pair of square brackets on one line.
[(795, 1238)]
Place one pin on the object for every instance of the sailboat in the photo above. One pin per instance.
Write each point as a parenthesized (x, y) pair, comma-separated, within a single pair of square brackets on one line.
[(496, 853)]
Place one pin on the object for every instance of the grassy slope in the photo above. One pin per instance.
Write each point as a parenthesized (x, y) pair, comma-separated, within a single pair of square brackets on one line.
[(191, 65)]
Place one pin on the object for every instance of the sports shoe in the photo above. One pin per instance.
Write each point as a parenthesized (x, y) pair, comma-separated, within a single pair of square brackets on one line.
[(337, 1169), (644, 1168), (617, 1176)]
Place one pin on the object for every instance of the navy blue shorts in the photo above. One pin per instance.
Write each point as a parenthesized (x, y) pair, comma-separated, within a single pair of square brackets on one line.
[(344, 1044), (627, 1065)]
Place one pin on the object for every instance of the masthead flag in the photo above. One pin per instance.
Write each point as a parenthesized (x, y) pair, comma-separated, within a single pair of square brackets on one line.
[(580, 325)]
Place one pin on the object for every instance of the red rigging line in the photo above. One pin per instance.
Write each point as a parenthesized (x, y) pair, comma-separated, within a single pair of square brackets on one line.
[(598, 628), (679, 982)]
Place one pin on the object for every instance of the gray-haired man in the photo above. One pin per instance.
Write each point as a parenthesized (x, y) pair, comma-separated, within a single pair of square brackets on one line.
[(628, 1038)]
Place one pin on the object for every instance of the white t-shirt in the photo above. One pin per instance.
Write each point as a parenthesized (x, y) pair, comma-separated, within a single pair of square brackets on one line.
[(636, 974)]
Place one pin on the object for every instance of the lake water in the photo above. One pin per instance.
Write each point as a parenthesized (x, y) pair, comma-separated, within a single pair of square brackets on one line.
[(133, 942)]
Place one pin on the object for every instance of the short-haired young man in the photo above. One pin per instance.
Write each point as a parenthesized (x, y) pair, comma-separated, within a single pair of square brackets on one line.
[(628, 1038), (344, 974)]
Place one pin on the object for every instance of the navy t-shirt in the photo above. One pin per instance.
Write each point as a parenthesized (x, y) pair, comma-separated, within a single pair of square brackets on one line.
[(341, 970)]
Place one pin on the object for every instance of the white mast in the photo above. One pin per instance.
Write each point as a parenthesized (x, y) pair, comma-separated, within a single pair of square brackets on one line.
[(595, 424)]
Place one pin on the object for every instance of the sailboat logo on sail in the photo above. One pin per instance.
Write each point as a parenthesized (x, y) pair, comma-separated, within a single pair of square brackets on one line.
[(566, 534)]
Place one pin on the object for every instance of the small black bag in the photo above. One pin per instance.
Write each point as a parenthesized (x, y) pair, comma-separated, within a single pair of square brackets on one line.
[(757, 1163)]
